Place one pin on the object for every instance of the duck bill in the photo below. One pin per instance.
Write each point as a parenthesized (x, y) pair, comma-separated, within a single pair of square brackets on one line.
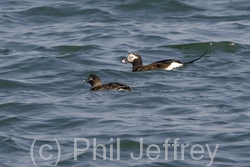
[(85, 80), (125, 60)]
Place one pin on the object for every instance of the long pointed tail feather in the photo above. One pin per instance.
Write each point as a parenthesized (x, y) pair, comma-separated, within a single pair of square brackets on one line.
[(196, 59)]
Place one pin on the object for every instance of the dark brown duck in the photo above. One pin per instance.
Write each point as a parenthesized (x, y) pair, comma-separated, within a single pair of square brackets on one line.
[(96, 84)]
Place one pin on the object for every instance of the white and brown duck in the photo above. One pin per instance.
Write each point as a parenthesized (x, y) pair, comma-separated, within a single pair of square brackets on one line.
[(168, 64)]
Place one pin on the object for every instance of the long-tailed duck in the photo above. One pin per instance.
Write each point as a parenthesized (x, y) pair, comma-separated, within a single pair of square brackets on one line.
[(96, 84), (168, 64)]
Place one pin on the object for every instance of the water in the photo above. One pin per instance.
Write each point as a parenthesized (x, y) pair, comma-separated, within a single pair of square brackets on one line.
[(48, 47)]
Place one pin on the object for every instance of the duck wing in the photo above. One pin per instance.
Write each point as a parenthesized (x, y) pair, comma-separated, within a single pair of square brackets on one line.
[(112, 86), (163, 64), (118, 86)]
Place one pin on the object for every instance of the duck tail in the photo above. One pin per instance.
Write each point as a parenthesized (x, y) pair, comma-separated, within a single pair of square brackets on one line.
[(196, 59)]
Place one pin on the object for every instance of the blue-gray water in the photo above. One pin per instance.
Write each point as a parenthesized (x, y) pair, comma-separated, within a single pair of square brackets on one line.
[(48, 47)]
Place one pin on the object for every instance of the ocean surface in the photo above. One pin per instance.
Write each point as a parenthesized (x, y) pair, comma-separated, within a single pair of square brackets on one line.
[(197, 115)]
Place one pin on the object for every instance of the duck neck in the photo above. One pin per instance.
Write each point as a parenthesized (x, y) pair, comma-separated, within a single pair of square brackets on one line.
[(95, 84), (137, 65)]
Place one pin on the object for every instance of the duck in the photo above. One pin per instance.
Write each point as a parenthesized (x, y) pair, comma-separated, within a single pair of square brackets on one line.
[(169, 64), (96, 84)]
